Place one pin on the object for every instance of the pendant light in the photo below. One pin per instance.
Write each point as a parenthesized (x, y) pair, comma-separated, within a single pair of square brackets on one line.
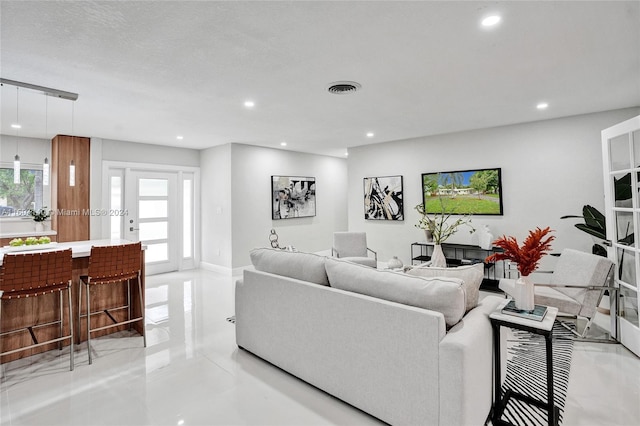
[(45, 164), (72, 164), (16, 159)]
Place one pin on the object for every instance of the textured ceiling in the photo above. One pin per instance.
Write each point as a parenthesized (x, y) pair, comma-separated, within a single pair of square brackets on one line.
[(149, 71)]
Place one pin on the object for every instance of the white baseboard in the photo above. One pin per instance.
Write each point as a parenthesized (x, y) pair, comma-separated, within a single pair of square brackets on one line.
[(223, 269)]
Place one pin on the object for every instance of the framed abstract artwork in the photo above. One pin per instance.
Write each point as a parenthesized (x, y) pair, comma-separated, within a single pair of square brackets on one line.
[(293, 197), (383, 198)]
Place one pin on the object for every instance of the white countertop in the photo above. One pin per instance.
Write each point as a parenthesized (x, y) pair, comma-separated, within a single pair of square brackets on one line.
[(28, 234), (78, 248)]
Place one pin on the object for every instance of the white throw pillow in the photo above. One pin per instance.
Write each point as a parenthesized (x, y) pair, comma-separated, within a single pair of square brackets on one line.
[(471, 275), (298, 265), (445, 295)]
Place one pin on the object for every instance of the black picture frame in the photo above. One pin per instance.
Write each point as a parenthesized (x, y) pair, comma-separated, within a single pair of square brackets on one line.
[(292, 197), (383, 198)]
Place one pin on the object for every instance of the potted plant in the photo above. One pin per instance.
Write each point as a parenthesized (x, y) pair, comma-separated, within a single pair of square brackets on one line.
[(440, 229), (527, 257), (40, 216)]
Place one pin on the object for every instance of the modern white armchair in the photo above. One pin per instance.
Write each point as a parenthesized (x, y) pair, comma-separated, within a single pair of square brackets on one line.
[(352, 246), (576, 287)]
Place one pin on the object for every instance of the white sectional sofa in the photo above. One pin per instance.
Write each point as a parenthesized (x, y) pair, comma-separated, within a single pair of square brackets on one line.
[(406, 365)]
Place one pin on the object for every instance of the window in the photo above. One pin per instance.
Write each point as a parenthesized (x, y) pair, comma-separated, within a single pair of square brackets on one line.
[(17, 199)]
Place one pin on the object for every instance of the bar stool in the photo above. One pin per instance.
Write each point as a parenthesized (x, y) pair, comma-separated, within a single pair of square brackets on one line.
[(110, 265), (25, 275)]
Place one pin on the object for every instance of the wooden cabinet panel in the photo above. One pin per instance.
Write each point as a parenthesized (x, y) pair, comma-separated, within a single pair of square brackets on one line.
[(70, 203)]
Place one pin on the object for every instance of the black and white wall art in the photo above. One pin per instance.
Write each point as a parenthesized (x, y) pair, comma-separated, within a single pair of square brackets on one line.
[(293, 197), (383, 198)]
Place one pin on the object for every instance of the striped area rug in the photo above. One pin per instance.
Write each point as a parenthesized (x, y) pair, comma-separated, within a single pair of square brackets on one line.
[(527, 374)]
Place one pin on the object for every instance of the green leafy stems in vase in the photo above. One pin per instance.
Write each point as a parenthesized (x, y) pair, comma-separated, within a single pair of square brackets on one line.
[(40, 215), (439, 224)]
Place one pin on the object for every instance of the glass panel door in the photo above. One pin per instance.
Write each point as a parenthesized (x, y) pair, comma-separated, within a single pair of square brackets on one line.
[(152, 201), (621, 156)]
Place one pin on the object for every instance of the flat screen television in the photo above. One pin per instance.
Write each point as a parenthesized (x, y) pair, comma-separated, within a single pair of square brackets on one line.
[(477, 192)]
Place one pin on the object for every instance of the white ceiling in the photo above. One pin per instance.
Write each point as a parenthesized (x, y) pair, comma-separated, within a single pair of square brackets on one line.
[(149, 71)]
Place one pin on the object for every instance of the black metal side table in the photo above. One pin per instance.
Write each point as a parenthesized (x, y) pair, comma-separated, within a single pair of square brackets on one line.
[(543, 328)]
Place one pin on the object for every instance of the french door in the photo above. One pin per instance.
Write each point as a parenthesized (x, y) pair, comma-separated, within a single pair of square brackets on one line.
[(621, 155), (156, 206)]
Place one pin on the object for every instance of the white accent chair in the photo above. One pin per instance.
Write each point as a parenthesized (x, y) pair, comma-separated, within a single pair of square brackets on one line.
[(352, 246), (576, 287)]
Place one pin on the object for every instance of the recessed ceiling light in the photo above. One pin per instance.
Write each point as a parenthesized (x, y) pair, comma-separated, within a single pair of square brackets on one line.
[(16, 126), (542, 105), (249, 104), (490, 21), (283, 144), (179, 137), (370, 134), (346, 154)]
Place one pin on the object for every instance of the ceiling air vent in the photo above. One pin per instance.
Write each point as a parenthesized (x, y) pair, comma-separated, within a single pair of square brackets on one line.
[(343, 87)]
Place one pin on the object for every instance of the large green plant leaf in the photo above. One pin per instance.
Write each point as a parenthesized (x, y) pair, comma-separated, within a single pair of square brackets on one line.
[(596, 232), (594, 219)]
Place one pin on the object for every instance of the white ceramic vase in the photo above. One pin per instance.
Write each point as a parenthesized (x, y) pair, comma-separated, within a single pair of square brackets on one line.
[(485, 238), (524, 294), (39, 226), (437, 257), (394, 263)]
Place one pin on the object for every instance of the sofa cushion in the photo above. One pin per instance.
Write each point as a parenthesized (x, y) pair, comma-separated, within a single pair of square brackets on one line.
[(444, 295), (302, 266), (471, 275)]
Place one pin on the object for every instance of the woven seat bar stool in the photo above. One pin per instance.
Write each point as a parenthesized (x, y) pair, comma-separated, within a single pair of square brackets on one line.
[(28, 275), (110, 265)]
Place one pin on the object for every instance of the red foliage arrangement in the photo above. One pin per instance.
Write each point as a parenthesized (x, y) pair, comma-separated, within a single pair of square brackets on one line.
[(527, 257)]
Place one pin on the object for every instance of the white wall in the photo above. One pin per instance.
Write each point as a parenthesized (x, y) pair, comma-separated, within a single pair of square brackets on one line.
[(549, 169), (251, 171), (215, 202), (113, 150)]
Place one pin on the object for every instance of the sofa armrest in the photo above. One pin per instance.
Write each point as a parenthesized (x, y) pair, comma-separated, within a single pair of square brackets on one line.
[(466, 359)]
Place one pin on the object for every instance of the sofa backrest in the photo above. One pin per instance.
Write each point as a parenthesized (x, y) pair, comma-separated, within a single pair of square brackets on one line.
[(302, 266), (444, 295)]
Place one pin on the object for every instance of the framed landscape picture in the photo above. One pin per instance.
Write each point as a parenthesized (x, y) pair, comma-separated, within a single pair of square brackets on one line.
[(293, 197), (383, 198), (463, 192)]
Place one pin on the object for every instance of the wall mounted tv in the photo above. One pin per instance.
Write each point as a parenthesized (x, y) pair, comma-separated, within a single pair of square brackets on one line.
[(463, 192)]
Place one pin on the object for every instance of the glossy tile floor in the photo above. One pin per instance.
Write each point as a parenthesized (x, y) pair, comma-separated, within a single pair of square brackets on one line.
[(192, 373)]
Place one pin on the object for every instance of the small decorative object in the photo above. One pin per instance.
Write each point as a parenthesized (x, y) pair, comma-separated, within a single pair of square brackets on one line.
[(383, 198), (39, 217), (273, 239), (527, 257), (293, 197), (485, 238), (394, 263)]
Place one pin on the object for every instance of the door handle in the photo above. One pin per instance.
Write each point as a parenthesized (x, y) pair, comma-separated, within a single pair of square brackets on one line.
[(607, 243), (131, 229)]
